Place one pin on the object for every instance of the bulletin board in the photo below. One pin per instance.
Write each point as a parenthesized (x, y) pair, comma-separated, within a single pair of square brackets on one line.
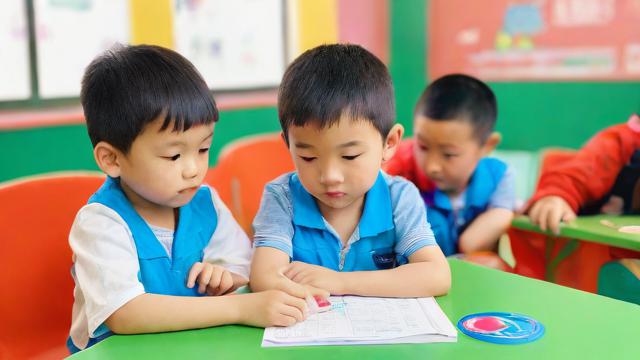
[(15, 83), (511, 40), (236, 45), (69, 34)]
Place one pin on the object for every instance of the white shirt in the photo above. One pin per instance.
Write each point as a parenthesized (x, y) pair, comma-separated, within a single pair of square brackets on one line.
[(106, 264)]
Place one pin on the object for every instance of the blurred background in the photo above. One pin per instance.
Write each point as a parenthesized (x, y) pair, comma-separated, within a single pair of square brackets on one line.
[(561, 69)]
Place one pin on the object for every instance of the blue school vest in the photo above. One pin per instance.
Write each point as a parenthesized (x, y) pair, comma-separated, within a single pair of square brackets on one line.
[(158, 273), (482, 185), (314, 243)]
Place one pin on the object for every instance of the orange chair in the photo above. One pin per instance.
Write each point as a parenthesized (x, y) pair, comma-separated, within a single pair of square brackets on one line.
[(243, 169), (37, 289)]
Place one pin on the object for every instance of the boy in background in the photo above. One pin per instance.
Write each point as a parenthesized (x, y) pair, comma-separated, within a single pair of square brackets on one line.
[(470, 198)]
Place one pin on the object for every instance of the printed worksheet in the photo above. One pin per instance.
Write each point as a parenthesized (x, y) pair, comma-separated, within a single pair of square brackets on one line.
[(368, 320)]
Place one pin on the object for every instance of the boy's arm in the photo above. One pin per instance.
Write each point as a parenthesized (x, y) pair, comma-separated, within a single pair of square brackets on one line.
[(150, 313), (273, 233), (485, 230), (563, 189), (426, 274), (266, 270), (592, 172)]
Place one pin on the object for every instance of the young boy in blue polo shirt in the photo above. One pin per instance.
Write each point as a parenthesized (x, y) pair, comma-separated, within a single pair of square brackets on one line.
[(152, 240), (339, 223), (470, 197)]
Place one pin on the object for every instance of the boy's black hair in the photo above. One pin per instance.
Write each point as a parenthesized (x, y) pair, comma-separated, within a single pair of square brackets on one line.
[(459, 96), (128, 87), (330, 81)]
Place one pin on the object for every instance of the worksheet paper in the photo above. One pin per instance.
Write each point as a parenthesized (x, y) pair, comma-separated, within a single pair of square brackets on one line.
[(368, 320)]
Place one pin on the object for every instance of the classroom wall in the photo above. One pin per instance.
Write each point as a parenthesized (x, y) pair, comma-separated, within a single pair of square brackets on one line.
[(531, 115)]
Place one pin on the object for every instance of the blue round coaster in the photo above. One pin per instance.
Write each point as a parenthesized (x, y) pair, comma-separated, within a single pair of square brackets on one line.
[(501, 327)]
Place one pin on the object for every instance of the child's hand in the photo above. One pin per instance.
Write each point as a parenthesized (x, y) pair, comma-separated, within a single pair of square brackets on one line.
[(315, 276), (549, 211), (299, 290), (214, 279), (272, 308)]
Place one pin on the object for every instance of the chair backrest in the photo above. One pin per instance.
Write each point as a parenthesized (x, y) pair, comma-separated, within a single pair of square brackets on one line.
[(244, 167), (37, 289), (525, 166)]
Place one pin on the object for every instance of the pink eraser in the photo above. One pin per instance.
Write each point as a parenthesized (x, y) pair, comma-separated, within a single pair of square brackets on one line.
[(323, 304)]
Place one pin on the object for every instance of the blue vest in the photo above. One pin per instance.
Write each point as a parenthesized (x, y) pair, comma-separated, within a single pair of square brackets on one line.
[(482, 185), (158, 273), (314, 243)]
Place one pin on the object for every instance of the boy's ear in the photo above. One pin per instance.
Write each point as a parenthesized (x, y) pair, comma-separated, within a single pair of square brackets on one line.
[(108, 158), (392, 141), (491, 143)]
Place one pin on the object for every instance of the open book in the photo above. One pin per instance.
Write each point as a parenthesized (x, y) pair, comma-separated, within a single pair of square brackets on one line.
[(368, 320)]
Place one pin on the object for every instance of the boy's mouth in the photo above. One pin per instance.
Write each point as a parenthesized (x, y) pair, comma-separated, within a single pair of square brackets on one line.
[(334, 194), (188, 190)]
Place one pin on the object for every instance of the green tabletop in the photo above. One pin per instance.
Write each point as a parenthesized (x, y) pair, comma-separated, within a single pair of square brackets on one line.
[(590, 228), (579, 325)]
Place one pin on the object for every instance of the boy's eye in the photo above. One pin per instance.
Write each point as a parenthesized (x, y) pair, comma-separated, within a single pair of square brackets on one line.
[(422, 148), (204, 150), (172, 158), (449, 156), (346, 157), (307, 158)]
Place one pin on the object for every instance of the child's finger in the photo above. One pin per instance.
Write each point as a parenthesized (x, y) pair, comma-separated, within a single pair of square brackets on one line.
[(569, 216), (292, 269), (205, 278), (554, 220), (216, 276), (298, 276), (292, 288), (193, 274), (317, 291), (542, 219), (300, 305), (533, 213), (226, 283)]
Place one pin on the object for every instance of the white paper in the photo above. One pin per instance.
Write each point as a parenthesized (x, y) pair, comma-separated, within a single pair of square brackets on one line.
[(368, 320)]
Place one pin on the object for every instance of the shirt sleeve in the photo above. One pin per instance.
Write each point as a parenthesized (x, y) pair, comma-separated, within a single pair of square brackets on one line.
[(106, 263), (273, 226), (229, 245), (592, 171), (504, 197), (413, 232)]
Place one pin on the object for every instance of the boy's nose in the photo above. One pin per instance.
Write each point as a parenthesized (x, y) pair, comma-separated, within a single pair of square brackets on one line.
[(331, 175), (433, 168), (190, 170)]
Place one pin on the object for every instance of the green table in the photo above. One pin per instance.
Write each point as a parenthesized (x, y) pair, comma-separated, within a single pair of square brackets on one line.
[(578, 325), (589, 228)]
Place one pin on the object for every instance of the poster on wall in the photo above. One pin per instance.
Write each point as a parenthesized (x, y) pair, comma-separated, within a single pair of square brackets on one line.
[(69, 34), (236, 45), (507, 40), (14, 52)]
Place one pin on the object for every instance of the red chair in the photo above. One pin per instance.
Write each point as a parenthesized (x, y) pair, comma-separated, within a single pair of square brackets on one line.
[(37, 289), (565, 261), (244, 167)]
